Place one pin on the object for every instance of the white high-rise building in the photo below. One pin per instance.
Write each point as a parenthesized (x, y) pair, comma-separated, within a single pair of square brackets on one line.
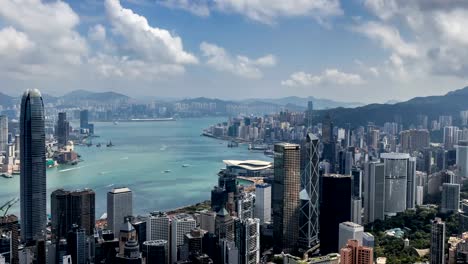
[(462, 158), (119, 205), (450, 197), (181, 225), (263, 202), (207, 221), (419, 195), (450, 136), (158, 226), (347, 231), (3, 133)]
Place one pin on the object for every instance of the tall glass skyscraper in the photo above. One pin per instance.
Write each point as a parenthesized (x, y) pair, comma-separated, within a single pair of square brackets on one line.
[(33, 171)]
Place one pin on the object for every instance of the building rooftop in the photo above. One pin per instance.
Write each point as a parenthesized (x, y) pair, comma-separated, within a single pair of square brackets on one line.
[(120, 190), (350, 224), (394, 155), (249, 164)]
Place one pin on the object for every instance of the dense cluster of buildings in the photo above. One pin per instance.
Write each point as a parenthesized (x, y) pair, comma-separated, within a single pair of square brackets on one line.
[(308, 206)]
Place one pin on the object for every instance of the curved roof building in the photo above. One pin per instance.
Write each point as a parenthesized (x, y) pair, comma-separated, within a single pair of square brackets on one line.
[(249, 168)]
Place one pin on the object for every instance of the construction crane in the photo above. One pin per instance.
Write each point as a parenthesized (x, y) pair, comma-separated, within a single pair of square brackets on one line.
[(4, 208)]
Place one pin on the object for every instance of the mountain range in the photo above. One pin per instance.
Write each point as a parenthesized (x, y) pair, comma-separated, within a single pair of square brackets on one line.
[(404, 112)]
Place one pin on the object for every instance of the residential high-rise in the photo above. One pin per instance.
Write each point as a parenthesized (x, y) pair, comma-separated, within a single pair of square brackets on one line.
[(462, 158), (374, 192), (84, 119), (63, 129), (450, 198), (309, 195), (76, 243), (181, 225), (414, 140), (248, 240), (335, 208), (450, 136), (119, 206), (355, 253), (3, 133), (285, 201), (33, 195), (263, 202), (437, 242), (155, 251), (72, 208), (158, 226), (349, 230)]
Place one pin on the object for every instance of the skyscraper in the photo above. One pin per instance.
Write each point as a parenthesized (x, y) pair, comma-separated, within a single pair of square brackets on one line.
[(155, 251), (285, 201), (450, 198), (349, 230), (158, 226), (84, 119), (3, 133), (33, 171), (437, 242), (462, 158), (374, 192), (76, 242), (263, 202), (309, 195), (335, 208), (181, 225), (72, 208), (63, 128), (119, 206), (398, 171), (248, 240)]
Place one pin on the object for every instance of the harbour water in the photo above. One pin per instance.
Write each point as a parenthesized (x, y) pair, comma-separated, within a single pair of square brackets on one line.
[(166, 164)]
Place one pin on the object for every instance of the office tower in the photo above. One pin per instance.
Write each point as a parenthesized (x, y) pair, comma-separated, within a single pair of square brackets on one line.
[(63, 129), (192, 244), (72, 208), (374, 192), (181, 225), (218, 198), (131, 254), (263, 202), (356, 182), (373, 137), (349, 230), (335, 208), (245, 205), (207, 221), (419, 195), (368, 239), (309, 210), (3, 133), (158, 226), (411, 184), (119, 206), (450, 198), (33, 193), (224, 225), (309, 113), (9, 223), (354, 253), (76, 242), (356, 210), (285, 201), (155, 251), (397, 170), (84, 119), (248, 240), (450, 136), (437, 255), (327, 129), (414, 140), (127, 233), (140, 229), (462, 158)]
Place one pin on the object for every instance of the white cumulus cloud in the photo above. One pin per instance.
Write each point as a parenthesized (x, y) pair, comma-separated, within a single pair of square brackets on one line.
[(219, 59), (328, 77)]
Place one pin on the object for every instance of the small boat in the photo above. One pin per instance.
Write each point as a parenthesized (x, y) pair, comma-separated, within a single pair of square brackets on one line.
[(166, 171), (8, 176), (164, 147), (185, 165), (89, 144), (233, 144), (109, 144), (116, 123), (98, 145)]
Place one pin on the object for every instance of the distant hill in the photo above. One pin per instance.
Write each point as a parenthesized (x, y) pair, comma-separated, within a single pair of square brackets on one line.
[(405, 112), (302, 102), (6, 100)]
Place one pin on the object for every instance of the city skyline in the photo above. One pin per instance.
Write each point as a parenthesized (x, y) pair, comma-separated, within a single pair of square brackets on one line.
[(232, 51)]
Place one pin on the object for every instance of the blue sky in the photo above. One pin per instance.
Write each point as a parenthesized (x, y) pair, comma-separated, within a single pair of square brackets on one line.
[(353, 50)]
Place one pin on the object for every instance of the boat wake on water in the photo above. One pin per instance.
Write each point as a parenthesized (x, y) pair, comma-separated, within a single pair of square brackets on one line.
[(70, 169)]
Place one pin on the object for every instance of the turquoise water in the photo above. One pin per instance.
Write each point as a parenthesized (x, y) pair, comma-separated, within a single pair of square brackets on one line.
[(142, 152)]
